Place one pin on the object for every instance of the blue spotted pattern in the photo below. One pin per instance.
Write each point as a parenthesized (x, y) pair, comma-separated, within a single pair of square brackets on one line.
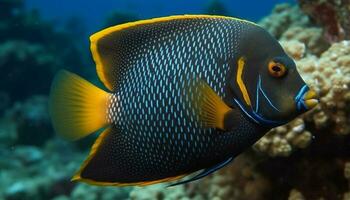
[(156, 132)]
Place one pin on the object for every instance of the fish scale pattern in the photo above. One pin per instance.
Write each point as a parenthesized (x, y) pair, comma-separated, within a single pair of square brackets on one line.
[(155, 131)]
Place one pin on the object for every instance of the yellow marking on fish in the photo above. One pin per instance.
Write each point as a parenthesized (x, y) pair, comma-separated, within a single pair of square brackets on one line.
[(240, 82)]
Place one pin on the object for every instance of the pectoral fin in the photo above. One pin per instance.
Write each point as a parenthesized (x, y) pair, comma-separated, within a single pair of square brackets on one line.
[(209, 107)]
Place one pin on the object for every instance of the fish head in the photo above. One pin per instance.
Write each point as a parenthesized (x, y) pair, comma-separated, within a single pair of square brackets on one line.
[(280, 92), (269, 87)]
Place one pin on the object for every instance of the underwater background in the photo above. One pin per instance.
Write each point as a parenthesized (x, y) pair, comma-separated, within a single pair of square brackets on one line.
[(309, 158)]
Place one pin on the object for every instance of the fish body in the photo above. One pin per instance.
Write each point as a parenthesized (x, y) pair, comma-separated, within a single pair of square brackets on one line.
[(187, 93)]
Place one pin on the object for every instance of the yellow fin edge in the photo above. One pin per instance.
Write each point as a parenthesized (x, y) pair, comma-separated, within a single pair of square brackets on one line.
[(97, 36), (94, 149)]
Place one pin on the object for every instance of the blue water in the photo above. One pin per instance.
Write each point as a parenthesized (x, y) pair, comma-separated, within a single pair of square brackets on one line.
[(93, 13)]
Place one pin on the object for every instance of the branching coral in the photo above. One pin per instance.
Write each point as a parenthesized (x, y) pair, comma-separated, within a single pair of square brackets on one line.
[(283, 16)]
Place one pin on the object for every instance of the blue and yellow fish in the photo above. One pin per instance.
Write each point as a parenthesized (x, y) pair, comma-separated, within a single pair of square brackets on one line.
[(184, 94)]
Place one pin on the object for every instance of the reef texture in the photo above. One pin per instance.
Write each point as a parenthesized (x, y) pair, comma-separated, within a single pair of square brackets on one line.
[(347, 176), (332, 15), (288, 23), (31, 51)]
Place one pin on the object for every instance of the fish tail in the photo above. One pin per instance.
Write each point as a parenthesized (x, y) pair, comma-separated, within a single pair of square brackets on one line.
[(77, 107)]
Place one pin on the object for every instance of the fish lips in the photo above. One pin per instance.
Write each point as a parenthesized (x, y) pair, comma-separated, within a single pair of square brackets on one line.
[(306, 99)]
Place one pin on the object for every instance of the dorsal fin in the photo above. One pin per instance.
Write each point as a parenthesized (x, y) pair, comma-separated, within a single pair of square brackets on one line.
[(114, 48)]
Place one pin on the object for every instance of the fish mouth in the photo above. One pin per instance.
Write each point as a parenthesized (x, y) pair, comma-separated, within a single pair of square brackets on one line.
[(306, 99)]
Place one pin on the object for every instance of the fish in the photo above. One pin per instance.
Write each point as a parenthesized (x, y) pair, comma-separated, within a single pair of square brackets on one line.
[(184, 95)]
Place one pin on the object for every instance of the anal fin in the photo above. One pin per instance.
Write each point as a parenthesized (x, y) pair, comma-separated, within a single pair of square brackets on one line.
[(101, 165), (204, 173)]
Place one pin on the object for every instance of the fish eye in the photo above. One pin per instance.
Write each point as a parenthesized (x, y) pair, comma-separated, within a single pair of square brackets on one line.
[(277, 69)]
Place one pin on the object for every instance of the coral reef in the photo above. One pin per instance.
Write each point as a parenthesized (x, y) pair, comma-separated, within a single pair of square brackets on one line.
[(26, 123), (284, 16), (288, 23), (295, 195), (31, 50), (333, 15), (346, 195), (281, 140), (29, 172)]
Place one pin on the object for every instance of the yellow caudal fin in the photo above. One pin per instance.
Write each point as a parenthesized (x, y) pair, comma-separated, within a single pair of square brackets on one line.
[(77, 107), (209, 107)]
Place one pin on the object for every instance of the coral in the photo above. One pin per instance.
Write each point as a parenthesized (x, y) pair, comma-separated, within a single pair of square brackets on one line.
[(310, 36), (29, 172), (294, 48), (282, 17), (295, 195), (33, 122), (26, 123), (14, 81), (8, 132), (332, 15), (281, 140), (158, 192), (288, 23), (346, 195), (330, 77), (31, 51), (87, 192)]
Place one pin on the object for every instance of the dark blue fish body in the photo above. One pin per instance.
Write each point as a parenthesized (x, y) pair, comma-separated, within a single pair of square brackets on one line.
[(188, 93)]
